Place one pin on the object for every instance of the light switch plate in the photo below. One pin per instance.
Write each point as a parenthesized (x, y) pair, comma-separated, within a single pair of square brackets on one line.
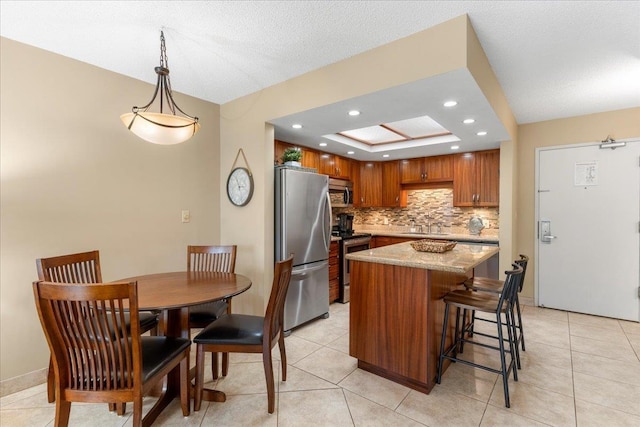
[(186, 216)]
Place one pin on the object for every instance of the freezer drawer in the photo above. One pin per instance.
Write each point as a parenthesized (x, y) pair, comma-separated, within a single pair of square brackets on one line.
[(308, 295)]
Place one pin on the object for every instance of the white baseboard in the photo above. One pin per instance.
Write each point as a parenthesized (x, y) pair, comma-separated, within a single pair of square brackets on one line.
[(22, 382)]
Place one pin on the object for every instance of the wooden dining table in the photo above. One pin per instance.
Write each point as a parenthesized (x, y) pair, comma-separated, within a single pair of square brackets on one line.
[(173, 294)]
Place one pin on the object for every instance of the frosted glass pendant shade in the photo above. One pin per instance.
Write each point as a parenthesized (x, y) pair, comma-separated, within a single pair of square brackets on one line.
[(158, 128)]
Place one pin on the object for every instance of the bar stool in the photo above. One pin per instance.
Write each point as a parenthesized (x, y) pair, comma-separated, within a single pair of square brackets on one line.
[(494, 286), (486, 303)]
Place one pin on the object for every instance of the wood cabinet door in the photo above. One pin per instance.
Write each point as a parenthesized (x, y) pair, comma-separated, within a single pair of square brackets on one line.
[(355, 177), (412, 171), (438, 168), (392, 194), (476, 179), (342, 167), (488, 178), (278, 151), (327, 164), (370, 184), (464, 178), (311, 159), (334, 272)]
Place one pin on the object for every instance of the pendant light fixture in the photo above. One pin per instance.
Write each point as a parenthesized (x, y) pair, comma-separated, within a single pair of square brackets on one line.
[(161, 128)]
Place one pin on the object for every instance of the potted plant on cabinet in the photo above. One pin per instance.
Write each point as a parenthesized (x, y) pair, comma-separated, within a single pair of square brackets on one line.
[(292, 156)]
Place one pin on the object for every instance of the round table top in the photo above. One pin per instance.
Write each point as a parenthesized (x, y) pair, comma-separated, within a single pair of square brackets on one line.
[(183, 288)]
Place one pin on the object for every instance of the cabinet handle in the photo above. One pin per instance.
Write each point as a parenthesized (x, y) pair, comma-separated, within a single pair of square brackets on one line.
[(426, 176), (478, 197), (397, 198), (473, 198)]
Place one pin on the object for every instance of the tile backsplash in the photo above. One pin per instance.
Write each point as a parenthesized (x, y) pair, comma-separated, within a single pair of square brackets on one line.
[(436, 204)]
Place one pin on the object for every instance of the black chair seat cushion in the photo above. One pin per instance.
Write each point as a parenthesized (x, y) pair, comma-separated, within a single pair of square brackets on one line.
[(233, 329), (148, 320), (207, 313), (158, 351)]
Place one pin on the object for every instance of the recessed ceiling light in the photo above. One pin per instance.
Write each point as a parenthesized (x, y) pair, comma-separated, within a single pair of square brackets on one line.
[(323, 144), (455, 147), (468, 121), (385, 155), (450, 104), (482, 133), (351, 152), (296, 126), (354, 113)]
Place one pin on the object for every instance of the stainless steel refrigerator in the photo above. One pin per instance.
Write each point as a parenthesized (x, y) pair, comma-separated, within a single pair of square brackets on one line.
[(303, 229)]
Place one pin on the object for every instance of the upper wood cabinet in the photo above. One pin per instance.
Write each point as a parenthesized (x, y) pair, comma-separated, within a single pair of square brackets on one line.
[(370, 184), (355, 178), (476, 179), (278, 151), (392, 193), (335, 166), (426, 169), (310, 158)]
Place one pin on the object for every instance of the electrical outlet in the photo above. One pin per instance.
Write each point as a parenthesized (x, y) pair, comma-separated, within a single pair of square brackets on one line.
[(186, 216)]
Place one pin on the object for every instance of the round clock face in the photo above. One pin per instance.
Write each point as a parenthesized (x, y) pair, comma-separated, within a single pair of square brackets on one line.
[(240, 186)]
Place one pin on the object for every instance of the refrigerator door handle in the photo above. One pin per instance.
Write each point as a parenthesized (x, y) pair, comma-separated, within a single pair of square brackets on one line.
[(327, 231), (299, 272)]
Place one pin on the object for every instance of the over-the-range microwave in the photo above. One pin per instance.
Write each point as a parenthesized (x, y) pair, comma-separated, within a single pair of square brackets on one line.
[(341, 193)]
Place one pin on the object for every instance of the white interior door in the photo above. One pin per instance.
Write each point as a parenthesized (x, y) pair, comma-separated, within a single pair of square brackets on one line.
[(589, 207)]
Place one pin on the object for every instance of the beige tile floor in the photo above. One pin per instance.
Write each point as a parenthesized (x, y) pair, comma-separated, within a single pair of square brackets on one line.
[(578, 370)]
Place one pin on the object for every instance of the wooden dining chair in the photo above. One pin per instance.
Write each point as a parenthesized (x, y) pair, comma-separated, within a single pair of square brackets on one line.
[(99, 357), (82, 268), (217, 259), (241, 333)]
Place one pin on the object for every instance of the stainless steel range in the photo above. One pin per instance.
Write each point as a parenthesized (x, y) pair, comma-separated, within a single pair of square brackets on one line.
[(351, 242)]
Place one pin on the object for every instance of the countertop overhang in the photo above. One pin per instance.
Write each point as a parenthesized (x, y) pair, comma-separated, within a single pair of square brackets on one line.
[(459, 237), (460, 259)]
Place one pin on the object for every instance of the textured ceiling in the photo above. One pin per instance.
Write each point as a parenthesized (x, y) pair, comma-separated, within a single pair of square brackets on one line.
[(552, 58)]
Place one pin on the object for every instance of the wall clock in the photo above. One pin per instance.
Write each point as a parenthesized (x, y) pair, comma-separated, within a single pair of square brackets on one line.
[(240, 186)]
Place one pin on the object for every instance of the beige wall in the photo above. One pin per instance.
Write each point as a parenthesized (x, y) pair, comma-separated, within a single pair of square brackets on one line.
[(74, 179), (482, 72), (574, 130)]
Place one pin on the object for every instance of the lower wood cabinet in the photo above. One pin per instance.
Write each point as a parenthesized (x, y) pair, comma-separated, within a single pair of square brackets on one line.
[(379, 241), (334, 272)]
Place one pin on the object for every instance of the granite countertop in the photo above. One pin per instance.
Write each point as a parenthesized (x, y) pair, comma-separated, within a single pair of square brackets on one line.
[(460, 259), (453, 234), (335, 238)]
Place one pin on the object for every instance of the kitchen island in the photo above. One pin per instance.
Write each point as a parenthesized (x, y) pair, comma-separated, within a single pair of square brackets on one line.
[(396, 308)]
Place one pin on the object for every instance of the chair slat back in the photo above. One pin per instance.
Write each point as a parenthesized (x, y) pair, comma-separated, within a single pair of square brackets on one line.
[(93, 350), (274, 316), (212, 258), (74, 268), (522, 262), (511, 285)]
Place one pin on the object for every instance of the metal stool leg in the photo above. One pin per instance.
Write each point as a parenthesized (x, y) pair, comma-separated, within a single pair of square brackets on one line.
[(503, 362), (443, 342)]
